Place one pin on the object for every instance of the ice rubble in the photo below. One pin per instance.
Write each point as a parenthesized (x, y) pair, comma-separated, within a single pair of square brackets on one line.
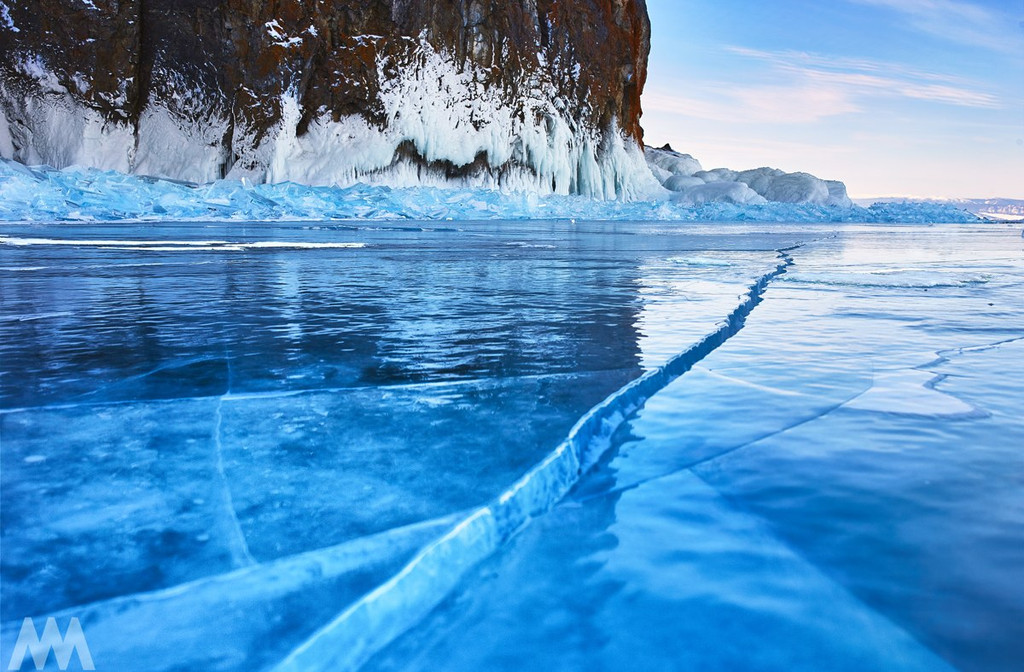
[(89, 194)]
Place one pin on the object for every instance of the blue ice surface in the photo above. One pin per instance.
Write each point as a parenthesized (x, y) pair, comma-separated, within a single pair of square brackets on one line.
[(281, 445), (837, 487), (219, 405), (84, 194)]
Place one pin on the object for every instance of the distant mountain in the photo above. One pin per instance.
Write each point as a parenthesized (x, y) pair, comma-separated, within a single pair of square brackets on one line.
[(1003, 209)]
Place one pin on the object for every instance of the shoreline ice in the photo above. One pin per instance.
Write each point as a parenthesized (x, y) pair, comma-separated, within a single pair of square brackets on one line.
[(75, 194)]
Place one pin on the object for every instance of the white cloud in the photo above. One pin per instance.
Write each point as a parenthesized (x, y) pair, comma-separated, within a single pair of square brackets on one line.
[(802, 88), (958, 21), (865, 77), (757, 104)]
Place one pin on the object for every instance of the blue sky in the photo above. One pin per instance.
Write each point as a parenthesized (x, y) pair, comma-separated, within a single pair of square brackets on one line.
[(920, 98)]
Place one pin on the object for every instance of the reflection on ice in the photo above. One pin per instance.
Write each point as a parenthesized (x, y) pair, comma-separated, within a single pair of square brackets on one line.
[(180, 245), (839, 473), (820, 493)]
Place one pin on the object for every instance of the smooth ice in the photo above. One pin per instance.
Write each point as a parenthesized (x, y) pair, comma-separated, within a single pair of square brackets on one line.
[(835, 487), (198, 402), (277, 443)]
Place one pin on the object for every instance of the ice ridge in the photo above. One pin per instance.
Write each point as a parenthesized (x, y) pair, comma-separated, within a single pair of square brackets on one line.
[(379, 617), (87, 194)]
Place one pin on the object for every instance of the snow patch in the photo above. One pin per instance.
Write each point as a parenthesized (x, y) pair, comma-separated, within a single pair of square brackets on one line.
[(5, 17), (189, 150), (52, 129), (6, 140), (910, 392)]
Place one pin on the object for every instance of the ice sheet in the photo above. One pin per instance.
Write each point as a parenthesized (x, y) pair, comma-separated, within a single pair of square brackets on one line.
[(264, 404), (170, 418), (665, 577), (861, 444)]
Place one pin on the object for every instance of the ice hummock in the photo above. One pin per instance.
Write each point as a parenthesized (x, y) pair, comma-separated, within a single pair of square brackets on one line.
[(86, 194), (691, 184)]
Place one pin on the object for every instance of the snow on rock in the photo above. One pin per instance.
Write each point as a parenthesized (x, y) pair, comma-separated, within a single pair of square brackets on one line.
[(683, 175), (719, 192), (535, 96), (444, 130), (673, 162)]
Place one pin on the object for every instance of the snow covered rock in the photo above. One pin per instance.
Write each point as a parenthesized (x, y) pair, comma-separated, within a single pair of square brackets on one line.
[(533, 95), (682, 174), (673, 162), (719, 192)]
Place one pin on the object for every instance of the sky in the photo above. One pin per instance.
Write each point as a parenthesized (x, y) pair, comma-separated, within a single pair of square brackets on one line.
[(916, 98)]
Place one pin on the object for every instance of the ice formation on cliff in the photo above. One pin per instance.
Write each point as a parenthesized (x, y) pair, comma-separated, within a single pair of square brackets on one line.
[(442, 113)]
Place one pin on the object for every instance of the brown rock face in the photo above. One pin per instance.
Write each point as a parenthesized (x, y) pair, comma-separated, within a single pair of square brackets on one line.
[(224, 72)]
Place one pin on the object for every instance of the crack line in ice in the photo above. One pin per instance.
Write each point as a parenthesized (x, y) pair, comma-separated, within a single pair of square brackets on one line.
[(940, 663), (944, 355), (752, 385), (284, 394), (379, 617), (198, 609), (166, 366), (240, 554), (727, 451), (32, 318)]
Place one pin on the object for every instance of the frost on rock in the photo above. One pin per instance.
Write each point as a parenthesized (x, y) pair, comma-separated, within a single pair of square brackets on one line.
[(536, 97), (443, 128), (87, 194), (682, 174)]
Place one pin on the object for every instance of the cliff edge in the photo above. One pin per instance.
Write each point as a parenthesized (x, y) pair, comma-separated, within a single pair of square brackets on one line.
[(536, 95)]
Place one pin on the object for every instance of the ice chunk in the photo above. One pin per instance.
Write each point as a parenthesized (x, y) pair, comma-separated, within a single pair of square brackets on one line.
[(781, 187), (682, 173), (837, 194), (720, 192), (717, 175), (681, 182)]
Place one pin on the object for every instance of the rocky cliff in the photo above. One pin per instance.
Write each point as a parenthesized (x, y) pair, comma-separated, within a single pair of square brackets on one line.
[(523, 94)]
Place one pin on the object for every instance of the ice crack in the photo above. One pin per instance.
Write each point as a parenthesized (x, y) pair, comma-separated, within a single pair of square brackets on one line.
[(379, 617), (230, 524)]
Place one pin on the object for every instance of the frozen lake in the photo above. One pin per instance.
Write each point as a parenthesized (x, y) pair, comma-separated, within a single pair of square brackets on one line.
[(231, 446)]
